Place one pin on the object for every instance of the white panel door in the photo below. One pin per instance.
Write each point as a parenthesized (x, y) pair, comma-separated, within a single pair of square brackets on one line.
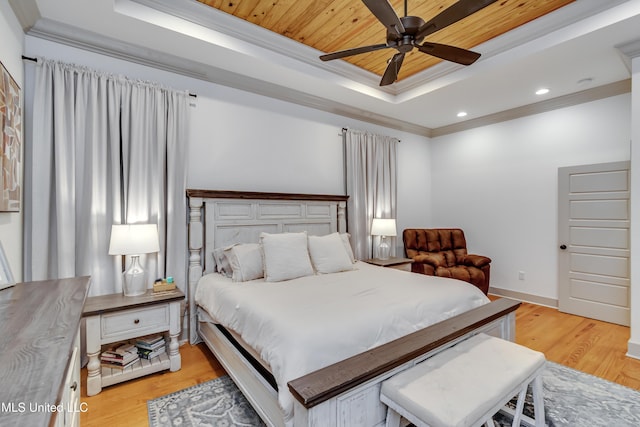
[(593, 232)]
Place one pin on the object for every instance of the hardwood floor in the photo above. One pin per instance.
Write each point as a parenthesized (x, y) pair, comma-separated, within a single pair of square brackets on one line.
[(125, 404), (584, 344), (588, 345)]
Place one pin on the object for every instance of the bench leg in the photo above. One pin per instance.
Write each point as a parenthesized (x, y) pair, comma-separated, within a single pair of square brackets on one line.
[(519, 407), (393, 418), (538, 405), (538, 401)]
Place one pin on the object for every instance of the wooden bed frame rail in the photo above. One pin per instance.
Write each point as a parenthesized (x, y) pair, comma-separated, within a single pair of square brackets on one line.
[(323, 384)]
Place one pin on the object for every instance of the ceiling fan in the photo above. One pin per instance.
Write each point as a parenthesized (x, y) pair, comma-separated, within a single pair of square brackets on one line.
[(408, 32)]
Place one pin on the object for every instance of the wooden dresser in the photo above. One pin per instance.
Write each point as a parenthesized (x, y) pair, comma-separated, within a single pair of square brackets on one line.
[(40, 352)]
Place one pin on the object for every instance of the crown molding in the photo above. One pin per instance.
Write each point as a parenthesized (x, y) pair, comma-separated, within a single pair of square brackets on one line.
[(29, 17), (631, 49), (588, 95), (86, 40), (26, 11), (72, 36)]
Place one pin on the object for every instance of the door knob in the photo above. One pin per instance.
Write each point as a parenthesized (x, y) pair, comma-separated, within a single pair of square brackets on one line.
[(563, 247)]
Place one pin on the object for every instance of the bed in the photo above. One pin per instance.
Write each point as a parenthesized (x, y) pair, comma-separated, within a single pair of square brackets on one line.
[(263, 333)]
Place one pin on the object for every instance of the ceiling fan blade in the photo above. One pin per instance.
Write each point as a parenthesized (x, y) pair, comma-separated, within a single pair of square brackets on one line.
[(391, 73), (355, 51), (383, 10), (450, 53), (452, 14)]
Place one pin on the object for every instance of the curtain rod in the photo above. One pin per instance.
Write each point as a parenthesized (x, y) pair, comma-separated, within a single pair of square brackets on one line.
[(28, 58), (346, 129)]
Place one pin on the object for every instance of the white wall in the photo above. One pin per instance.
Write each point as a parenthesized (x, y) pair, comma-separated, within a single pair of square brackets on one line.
[(499, 183), (243, 141), (248, 142), (11, 49)]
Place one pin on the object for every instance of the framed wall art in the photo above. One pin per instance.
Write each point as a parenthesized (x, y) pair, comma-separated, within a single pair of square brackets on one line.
[(10, 143)]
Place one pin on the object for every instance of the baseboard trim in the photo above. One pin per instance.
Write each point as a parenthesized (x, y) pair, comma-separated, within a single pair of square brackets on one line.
[(521, 296), (633, 349)]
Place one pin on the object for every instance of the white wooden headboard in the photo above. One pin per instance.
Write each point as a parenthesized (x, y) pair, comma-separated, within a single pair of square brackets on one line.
[(221, 218)]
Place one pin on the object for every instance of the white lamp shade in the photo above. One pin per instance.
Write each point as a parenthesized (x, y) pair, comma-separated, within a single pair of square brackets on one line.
[(383, 227), (134, 239)]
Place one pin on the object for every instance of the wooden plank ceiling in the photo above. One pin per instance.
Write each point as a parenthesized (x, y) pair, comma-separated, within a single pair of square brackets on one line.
[(332, 25)]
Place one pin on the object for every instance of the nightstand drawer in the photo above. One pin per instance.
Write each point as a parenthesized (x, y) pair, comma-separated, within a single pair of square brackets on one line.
[(136, 322)]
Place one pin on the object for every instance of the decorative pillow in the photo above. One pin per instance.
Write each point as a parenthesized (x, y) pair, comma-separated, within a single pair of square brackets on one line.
[(246, 261), (286, 256), (328, 253), (346, 239), (222, 263)]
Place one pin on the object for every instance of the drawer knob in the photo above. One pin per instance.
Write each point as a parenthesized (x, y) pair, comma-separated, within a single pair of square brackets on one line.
[(74, 386), (136, 321)]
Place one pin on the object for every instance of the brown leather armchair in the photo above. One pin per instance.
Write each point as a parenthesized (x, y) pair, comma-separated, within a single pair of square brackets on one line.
[(443, 252)]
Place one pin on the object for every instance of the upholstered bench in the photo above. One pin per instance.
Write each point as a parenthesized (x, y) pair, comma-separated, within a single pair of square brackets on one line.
[(466, 385)]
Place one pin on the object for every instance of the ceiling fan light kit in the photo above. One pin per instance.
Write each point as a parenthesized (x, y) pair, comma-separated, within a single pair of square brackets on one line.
[(408, 32)]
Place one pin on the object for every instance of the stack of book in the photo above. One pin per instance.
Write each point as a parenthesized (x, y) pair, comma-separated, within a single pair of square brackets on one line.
[(119, 356), (151, 346)]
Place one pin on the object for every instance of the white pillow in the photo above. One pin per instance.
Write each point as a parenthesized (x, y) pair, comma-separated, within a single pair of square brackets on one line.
[(328, 254), (222, 263), (346, 239), (246, 261), (285, 256)]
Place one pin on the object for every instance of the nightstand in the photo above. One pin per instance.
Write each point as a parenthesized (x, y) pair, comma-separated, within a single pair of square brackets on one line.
[(392, 262), (114, 318)]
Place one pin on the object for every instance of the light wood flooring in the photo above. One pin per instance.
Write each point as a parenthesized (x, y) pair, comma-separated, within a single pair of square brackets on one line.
[(584, 344)]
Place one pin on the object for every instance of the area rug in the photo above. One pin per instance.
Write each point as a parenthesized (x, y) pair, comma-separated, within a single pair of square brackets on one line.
[(572, 398), (216, 403)]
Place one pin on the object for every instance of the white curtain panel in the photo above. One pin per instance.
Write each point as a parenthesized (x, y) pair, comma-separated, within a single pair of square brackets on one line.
[(371, 181), (105, 150)]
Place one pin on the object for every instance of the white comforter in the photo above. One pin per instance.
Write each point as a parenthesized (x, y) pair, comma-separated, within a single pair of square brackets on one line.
[(301, 325)]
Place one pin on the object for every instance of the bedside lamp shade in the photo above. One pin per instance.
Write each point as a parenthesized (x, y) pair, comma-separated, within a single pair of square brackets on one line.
[(383, 227), (134, 240)]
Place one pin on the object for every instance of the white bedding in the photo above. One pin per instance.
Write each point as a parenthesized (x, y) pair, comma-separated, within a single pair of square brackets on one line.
[(301, 325)]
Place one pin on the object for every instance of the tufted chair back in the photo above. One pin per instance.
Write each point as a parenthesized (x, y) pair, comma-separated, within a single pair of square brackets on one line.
[(443, 252)]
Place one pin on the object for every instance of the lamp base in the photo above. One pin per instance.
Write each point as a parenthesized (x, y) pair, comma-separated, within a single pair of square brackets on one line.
[(133, 283), (384, 249)]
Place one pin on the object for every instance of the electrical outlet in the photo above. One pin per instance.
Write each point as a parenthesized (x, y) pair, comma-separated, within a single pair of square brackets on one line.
[(520, 275)]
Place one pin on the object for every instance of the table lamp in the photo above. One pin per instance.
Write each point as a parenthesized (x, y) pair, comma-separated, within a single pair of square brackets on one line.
[(134, 240), (383, 227)]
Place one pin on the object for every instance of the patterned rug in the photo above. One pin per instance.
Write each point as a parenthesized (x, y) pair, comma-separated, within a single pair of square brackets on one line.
[(572, 399), (575, 399), (216, 403)]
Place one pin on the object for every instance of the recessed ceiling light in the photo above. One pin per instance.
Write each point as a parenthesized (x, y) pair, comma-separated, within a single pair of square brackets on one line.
[(462, 114), (542, 91)]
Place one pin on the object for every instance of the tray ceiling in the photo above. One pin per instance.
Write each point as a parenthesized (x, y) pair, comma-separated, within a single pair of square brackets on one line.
[(579, 50), (342, 24)]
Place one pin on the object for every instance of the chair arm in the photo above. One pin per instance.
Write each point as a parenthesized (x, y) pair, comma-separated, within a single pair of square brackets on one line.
[(478, 261), (434, 259)]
